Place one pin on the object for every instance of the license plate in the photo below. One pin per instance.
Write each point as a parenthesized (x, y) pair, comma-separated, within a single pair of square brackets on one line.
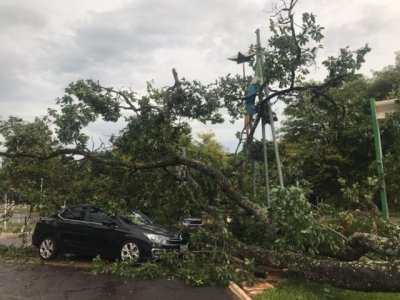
[(184, 248)]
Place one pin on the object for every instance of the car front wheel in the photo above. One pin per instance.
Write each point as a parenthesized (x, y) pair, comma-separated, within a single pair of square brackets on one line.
[(130, 251), (48, 248)]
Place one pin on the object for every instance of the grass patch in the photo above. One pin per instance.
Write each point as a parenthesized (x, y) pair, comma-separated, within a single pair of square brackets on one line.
[(16, 227), (303, 290), (18, 254)]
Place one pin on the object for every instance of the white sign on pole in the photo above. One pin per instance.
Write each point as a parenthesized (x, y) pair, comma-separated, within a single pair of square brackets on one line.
[(386, 106)]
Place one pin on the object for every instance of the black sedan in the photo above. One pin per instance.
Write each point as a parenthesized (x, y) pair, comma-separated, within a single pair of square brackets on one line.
[(85, 229)]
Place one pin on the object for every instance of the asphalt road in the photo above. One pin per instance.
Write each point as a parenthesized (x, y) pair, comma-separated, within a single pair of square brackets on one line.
[(23, 282)]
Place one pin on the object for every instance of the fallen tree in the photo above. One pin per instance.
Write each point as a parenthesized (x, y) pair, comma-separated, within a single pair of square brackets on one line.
[(155, 131), (359, 274), (363, 275)]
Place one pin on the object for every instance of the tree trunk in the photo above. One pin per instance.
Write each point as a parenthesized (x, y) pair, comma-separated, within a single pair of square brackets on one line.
[(357, 275), (365, 242)]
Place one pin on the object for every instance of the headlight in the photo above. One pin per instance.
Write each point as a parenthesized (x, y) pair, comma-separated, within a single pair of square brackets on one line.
[(155, 238)]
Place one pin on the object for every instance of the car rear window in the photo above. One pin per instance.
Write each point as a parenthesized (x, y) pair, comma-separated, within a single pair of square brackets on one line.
[(97, 216), (74, 213)]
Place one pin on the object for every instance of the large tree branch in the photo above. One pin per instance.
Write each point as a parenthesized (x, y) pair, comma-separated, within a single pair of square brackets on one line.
[(123, 95), (47, 156), (170, 160), (295, 41), (228, 189)]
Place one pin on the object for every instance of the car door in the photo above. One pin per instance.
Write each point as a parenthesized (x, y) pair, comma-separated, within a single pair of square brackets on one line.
[(105, 239), (72, 229)]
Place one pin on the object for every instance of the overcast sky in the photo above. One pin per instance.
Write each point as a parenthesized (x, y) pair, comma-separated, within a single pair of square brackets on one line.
[(46, 44)]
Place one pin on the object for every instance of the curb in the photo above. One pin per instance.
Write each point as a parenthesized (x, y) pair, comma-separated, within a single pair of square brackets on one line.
[(238, 292)]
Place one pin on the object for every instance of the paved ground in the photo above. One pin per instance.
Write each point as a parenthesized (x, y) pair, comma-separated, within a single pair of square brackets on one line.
[(20, 217), (9, 239), (23, 282)]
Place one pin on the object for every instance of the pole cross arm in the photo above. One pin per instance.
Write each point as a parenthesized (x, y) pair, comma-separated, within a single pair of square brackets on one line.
[(242, 57)]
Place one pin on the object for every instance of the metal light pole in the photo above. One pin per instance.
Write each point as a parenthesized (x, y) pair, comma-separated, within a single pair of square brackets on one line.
[(41, 190), (278, 160), (378, 111), (5, 210), (271, 118), (264, 140)]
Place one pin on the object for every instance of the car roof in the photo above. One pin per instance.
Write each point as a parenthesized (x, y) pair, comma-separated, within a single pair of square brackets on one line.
[(79, 205)]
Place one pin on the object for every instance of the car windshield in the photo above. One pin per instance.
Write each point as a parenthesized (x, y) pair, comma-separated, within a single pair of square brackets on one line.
[(137, 218)]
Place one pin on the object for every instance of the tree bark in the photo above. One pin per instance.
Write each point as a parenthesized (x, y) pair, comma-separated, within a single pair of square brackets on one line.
[(365, 242), (356, 275)]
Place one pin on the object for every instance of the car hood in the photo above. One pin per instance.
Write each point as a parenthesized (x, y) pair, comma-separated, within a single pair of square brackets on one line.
[(156, 229)]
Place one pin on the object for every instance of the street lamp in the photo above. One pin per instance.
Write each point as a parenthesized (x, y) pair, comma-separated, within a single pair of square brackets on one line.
[(241, 58)]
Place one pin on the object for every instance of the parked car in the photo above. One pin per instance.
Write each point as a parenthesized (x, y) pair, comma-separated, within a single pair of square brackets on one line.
[(85, 229)]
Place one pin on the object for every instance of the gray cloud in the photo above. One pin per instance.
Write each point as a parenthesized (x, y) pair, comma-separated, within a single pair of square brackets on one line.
[(12, 16), (47, 44), (137, 31), (365, 28)]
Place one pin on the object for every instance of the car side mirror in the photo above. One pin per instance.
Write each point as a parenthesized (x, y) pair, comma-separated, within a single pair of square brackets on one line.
[(108, 223)]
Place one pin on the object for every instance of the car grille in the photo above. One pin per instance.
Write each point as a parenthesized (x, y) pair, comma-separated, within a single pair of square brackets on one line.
[(177, 240)]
